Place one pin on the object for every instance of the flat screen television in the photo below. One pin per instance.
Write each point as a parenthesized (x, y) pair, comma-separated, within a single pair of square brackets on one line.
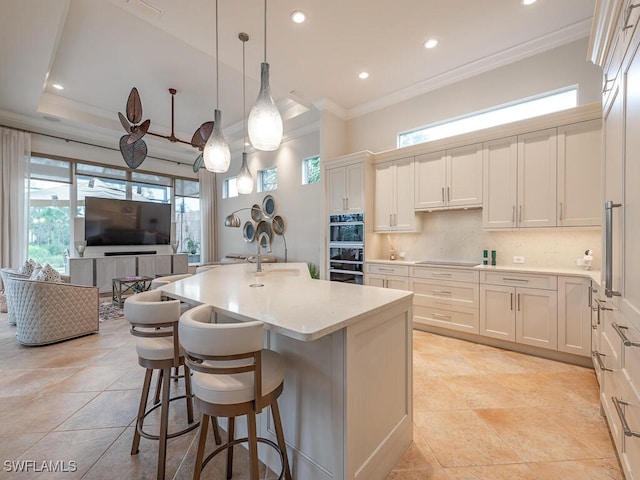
[(110, 222)]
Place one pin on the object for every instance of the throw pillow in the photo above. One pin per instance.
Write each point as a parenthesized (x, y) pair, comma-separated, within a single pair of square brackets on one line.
[(48, 274), (27, 267)]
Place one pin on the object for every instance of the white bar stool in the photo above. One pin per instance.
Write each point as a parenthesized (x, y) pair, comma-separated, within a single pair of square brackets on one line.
[(232, 376), (155, 324)]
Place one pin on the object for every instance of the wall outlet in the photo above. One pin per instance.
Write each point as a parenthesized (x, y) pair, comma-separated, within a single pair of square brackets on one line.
[(580, 262), (518, 259)]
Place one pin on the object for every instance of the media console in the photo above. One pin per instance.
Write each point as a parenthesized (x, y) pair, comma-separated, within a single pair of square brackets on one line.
[(100, 271)]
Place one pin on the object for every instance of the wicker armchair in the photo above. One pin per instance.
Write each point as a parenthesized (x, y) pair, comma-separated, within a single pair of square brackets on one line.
[(48, 312)]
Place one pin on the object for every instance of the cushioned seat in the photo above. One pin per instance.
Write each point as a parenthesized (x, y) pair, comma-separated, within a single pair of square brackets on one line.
[(167, 279)]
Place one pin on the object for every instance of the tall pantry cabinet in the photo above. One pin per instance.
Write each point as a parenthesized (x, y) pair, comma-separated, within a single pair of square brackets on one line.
[(615, 46)]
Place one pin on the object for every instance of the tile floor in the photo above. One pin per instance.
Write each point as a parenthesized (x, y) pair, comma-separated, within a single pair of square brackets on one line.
[(480, 413)]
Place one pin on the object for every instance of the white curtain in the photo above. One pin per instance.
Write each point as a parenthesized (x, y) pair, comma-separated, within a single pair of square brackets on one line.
[(15, 153), (208, 253)]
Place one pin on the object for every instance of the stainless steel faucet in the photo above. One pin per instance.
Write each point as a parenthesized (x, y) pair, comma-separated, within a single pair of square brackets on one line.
[(264, 235)]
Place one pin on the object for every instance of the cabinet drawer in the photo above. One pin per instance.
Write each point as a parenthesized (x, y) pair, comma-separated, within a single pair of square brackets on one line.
[(454, 318), (452, 274), (631, 360), (629, 415), (386, 269), (546, 282), (431, 292)]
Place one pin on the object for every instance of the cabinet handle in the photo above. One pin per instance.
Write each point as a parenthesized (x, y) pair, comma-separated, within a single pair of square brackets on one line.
[(520, 214), (620, 330), (628, 15), (395, 219), (448, 196), (346, 202), (608, 84), (390, 220), (601, 365), (608, 252), (560, 215), (590, 302), (441, 292), (441, 315), (440, 274), (513, 215), (442, 194), (506, 279), (518, 301), (623, 420), (511, 301), (385, 270)]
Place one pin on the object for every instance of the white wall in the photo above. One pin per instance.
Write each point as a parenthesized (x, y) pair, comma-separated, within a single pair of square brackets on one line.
[(557, 68), (302, 206)]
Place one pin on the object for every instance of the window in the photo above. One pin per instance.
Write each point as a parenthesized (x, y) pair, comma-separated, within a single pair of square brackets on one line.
[(229, 188), (187, 218), (268, 179), (527, 108), (310, 170)]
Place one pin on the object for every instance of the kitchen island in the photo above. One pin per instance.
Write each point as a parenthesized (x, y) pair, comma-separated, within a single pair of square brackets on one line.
[(347, 400)]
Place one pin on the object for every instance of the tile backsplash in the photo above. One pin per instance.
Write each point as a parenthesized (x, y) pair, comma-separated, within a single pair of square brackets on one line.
[(458, 235)]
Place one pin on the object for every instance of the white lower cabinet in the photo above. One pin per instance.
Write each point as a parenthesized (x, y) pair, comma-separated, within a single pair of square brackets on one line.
[(387, 276), (574, 315), (447, 298), (519, 314)]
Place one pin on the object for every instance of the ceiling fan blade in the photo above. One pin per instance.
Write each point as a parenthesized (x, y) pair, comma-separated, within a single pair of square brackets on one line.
[(197, 165), (124, 123), (139, 132), (201, 135), (134, 106), (133, 153)]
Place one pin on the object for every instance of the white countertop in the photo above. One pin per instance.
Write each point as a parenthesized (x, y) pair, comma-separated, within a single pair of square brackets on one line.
[(523, 268), (289, 301)]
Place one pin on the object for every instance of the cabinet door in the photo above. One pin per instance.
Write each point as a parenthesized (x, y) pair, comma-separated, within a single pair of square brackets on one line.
[(574, 316), (630, 301), (537, 317), (613, 180), (384, 190), (147, 265), (497, 305), (404, 215), (500, 180), (399, 283), (163, 264), (376, 280), (179, 263), (537, 154), (108, 268), (464, 176), (337, 190), (579, 174), (355, 187), (430, 180), (81, 271)]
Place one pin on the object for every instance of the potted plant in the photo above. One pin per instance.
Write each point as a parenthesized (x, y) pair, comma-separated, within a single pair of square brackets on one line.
[(192, 247)]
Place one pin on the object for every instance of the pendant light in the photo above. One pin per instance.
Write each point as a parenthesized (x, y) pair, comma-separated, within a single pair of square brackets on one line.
[(265, 122), (216, 153), (244, 180)]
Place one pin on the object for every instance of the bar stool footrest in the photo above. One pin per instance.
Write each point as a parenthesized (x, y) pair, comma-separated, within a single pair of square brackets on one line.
[(150, 436)]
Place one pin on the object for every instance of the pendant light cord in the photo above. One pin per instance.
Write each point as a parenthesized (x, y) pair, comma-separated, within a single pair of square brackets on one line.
[(217, 63), (265, 31), (244, 104)]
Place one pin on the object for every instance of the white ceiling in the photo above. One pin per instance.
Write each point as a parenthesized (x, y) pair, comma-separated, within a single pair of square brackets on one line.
[(99, 49)]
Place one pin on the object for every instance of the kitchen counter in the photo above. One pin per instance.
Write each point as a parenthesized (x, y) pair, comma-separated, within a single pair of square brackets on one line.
[(348, 355)]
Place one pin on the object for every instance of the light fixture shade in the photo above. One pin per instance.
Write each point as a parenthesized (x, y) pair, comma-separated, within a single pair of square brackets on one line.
[(216, 153), (265, 122), (244, 180)]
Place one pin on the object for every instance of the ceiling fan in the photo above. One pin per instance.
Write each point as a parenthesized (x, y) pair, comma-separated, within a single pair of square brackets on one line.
[(134, 149)]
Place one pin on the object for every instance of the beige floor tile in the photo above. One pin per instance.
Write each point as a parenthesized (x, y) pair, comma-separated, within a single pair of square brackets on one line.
[(436, 365), (429, 474), (25, 382), (479, 391), (115, 408), (598, 469), (533, 435), (12, 446), (495, 361), (44, 413), (518, 471), (91, 379), (434, 393), (460, 438), (418, 456)]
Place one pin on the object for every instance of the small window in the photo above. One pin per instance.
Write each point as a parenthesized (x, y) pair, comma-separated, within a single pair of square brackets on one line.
[(229, 188), (310, 170), (268, 179), (527, 108)]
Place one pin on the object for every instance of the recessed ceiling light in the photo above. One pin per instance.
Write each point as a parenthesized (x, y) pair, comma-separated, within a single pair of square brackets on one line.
[(57, 86), (528, 2), (432, 42), (363, 75), (298, 16)]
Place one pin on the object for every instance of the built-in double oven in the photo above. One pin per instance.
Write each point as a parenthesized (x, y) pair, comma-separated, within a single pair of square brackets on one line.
[(346, 248)]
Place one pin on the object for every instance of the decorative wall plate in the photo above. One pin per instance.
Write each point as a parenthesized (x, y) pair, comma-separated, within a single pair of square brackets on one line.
[(256, 213), (268, 206), (249, 232)]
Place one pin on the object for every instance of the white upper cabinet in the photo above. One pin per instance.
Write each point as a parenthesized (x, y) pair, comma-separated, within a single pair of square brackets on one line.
[(451, 179), (579, 180), (537, 157), (500, 179), (394, 196), (346, 189)]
